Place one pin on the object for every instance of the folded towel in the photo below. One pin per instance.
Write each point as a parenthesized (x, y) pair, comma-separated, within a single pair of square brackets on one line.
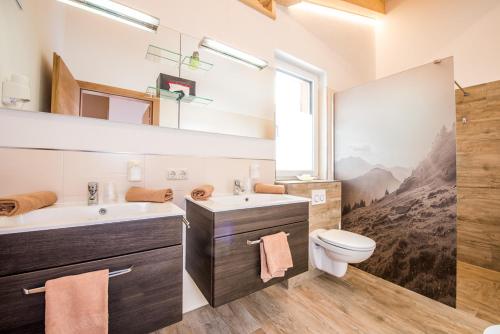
[(138, 194), (77, 304), (202, 193), (275, 256), (19, 204), (269, 188)]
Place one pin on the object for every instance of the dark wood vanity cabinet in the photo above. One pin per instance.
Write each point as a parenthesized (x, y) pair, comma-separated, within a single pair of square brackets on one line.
[(147, 298), (220, 260)]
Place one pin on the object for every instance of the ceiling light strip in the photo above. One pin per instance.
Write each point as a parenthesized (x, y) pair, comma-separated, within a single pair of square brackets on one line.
[(336, 12), (118, 12)]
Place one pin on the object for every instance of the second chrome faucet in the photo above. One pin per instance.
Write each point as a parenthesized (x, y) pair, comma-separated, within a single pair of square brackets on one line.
[(93, 193), (238, 188)]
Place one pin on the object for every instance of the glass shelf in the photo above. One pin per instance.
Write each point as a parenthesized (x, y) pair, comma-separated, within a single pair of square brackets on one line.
[(163, 93), (202, 65), (160, 55), (196, 100), (175, 96)]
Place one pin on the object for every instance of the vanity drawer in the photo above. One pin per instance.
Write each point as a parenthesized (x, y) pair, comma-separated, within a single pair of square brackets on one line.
[(246, 220), (141, 301), (28, 251), (237, 264)]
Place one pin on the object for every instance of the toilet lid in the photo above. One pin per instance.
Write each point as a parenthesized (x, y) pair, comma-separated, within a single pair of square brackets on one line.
[(347, 240), (492, 330)]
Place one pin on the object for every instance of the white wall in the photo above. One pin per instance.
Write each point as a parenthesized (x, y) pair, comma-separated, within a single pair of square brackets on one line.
[(24, 52), (353, 45), (415, 32)]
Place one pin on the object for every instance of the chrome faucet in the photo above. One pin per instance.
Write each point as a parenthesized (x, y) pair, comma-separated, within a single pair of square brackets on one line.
[(93, 193), (238, 188)]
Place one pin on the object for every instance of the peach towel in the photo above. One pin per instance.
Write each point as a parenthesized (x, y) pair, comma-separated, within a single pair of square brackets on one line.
[(138, 194), (19, 204), (77, 304), (263, 188), (275, 256), (202, 193)]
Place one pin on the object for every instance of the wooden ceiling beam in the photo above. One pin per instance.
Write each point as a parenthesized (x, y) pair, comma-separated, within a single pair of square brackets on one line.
[(266, 7), (287, 3), (375, 5)]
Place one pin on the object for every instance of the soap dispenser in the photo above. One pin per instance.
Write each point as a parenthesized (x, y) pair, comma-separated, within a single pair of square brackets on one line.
[(254, 175), (134, 171)]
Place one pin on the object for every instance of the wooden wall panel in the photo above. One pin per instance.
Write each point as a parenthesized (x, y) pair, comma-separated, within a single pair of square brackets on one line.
[(478, 187), (325, 216), (479, 227), (478, 175)]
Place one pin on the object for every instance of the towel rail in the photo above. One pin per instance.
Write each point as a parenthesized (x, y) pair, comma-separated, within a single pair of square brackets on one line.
[(111, 274), (186, 222), (256, 242)]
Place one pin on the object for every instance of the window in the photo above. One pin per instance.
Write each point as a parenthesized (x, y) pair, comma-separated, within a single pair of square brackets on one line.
[(295, 124)]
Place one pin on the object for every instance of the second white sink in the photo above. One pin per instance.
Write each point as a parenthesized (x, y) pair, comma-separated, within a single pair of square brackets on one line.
[(245, 201)]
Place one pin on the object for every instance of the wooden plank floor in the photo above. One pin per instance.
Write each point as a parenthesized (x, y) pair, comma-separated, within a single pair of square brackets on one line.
[(358, 303)]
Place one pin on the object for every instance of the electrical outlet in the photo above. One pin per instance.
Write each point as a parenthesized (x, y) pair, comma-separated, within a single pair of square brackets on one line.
[(171, 174), (177, 174), (182, 174), (318, 196)]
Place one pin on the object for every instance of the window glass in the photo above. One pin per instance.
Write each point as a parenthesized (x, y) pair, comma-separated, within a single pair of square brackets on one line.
[(294, 125)]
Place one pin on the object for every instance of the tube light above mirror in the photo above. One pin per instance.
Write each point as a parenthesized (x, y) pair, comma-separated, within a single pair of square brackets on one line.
[(118, 12), (232, 53)]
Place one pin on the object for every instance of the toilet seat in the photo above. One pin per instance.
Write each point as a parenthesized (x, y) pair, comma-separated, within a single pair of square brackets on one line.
[(347, 240), (332, 250)]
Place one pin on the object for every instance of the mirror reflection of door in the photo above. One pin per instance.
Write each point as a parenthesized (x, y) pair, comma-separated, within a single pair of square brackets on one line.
[(87, 99), (115, 108)]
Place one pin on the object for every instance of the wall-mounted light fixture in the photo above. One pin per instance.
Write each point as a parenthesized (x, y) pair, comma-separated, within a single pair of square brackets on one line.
[(118, 12), (232, 53), (16, 90)]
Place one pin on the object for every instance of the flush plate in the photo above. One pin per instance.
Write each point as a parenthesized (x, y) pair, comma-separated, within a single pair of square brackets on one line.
[(318, 196)]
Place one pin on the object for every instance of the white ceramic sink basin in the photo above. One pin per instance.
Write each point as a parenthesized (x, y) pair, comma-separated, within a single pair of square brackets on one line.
[(245, 201), (71, 215)]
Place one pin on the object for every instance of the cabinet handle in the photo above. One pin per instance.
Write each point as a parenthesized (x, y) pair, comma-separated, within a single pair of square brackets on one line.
[(186, 222), (110, 275), (258, 241)]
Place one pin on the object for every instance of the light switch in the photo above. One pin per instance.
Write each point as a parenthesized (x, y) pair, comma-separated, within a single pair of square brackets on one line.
[(318, 196)]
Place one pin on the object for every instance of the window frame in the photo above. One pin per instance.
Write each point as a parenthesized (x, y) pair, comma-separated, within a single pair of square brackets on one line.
[(314, 80)]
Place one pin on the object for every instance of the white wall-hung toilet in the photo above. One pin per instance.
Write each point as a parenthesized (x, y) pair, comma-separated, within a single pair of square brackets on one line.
[(332, 250)]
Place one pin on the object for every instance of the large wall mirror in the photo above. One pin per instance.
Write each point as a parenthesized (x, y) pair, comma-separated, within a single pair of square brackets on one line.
[(58, 58)]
